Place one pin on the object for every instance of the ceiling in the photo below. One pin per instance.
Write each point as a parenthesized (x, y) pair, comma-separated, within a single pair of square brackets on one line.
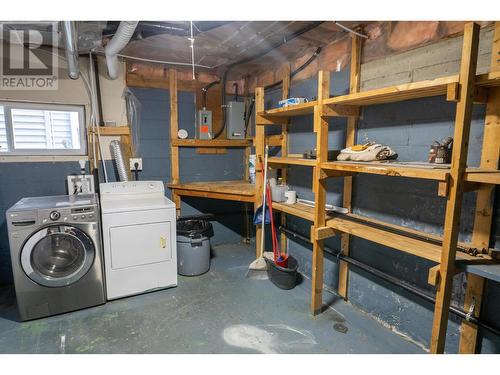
[(220, 44)]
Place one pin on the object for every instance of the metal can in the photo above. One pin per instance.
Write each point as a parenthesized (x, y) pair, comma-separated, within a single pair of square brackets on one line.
[(251, 168)]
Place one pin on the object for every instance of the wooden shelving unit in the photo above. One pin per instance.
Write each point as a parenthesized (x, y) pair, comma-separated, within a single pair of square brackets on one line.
[(217, 143), (294, 110), (465, 89), (241, 191), (277, 161), (236, 190), (391, 94), (428, 172)]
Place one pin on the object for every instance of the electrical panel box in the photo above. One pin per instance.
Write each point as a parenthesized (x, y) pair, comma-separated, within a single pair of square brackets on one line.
[(235, 120), (204, 124)]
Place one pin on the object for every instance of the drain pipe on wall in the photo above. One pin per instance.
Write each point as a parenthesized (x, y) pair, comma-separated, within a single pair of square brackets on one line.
[(116, 44), (394, 281)]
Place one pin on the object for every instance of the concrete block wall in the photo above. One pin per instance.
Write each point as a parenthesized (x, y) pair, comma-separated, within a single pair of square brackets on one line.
[(410, 127)]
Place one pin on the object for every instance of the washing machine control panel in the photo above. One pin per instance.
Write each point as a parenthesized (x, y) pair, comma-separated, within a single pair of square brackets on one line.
[(76, 214)]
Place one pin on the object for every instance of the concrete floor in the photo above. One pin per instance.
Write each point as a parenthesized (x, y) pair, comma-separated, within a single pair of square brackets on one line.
[(218, 312)]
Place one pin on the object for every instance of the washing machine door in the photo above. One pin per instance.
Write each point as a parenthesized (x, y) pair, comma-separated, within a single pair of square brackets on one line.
[(58, 255)]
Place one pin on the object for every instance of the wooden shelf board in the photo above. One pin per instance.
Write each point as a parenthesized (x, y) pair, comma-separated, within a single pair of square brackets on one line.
[(292, 110), (483, 176), (402, 242), (237, 190), (113, 130), (297, 209), (396, 93), (291, 161), (491, 79), (488, 271), (413, 170), (212, 142)]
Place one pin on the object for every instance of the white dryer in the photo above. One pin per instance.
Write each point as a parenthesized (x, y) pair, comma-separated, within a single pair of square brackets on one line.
[(139, 238)]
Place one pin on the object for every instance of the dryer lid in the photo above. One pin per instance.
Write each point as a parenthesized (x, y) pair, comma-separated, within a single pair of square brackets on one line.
[(136, 203)]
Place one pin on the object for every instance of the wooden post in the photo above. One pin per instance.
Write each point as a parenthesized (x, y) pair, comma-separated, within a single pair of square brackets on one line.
[(352, 122), (174, 128), (484, 201), (321, 129), (454, 201), (259, 152), (285, 91)]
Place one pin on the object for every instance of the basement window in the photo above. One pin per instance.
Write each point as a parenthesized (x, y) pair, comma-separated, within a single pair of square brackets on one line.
[(41, 129)]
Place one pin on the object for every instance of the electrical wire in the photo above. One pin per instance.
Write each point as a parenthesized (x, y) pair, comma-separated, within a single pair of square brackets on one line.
[(285, 40), (191, 39), (351, 30)]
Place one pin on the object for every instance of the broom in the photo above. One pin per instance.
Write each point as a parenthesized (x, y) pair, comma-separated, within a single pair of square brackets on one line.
[(259, 264)]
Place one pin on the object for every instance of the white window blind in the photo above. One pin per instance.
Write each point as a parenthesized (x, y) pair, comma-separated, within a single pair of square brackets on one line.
[(4, 145), (37, 129)]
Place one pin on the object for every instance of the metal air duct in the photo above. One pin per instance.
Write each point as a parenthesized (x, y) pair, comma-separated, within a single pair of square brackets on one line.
[(71, 47)]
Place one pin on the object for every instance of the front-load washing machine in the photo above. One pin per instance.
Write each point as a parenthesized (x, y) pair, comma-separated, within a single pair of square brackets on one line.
[(56, 254)]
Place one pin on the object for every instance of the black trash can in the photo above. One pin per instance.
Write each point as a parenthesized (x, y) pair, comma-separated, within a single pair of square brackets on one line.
[(283, 278), (193, 246)]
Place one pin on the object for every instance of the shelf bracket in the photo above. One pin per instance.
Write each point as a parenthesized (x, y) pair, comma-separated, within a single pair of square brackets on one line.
[(334, 173), (444, 187), (336, 110), (270, 120), (322, 233), (434, 276), (453, 93)]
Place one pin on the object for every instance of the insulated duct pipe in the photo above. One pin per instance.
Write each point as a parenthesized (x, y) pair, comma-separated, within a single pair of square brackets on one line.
[(116, 44), (71, 47), (117, 154)]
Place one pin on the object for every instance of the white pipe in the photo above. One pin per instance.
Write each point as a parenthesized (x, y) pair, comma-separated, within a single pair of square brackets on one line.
[(116, 44), (93, 118), (71, 48)]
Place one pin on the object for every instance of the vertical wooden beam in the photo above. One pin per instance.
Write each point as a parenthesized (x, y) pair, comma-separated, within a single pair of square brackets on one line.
[(285, 92), (259, 152), (484, 202), (174, 128), (352, 122), (321, 129), (454, 201)]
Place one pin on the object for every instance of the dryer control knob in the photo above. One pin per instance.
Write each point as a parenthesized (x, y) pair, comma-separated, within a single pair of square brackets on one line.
[(54, 215)]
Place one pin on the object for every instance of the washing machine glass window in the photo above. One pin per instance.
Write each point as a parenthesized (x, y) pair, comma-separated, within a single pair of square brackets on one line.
[(57, 256)]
